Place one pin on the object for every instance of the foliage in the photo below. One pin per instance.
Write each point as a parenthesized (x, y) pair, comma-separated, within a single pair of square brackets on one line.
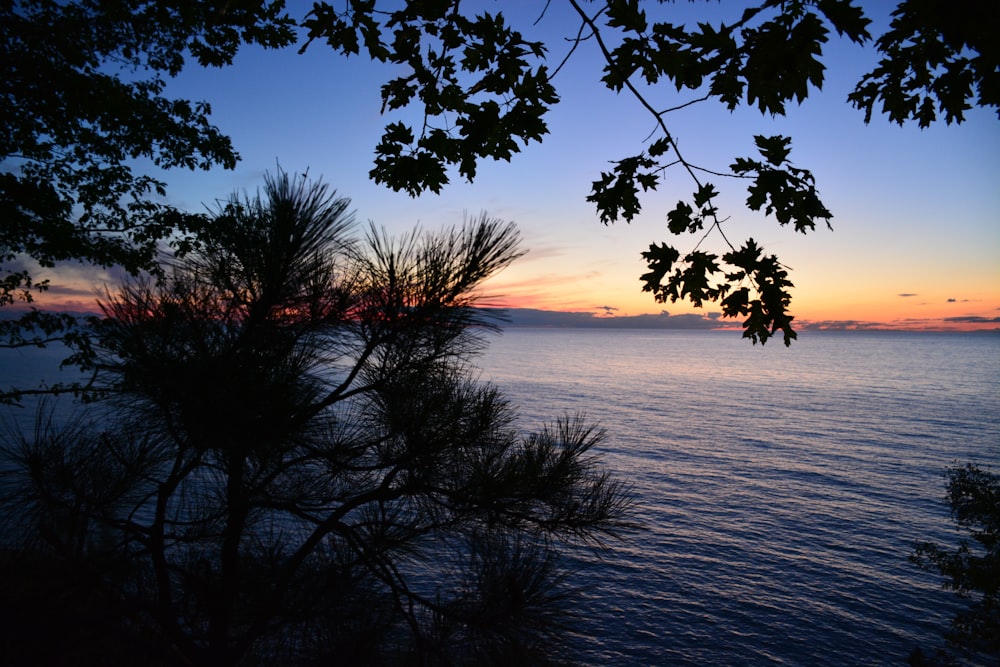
[(973, 569), (295, 464), (83, 110), (484, 90), (936, 61)]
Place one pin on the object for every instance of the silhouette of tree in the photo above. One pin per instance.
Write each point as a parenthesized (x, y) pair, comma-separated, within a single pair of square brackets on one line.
[(973, 569), (85, 125), (76, 112), (295, 463)]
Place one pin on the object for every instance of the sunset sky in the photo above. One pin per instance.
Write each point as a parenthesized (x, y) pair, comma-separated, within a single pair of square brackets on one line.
[(916, 238)]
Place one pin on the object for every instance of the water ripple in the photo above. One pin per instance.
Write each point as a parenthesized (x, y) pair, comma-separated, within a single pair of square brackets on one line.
[(779, 491)]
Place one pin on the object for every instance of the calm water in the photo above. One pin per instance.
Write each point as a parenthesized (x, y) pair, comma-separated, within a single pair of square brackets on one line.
[(779, 490)]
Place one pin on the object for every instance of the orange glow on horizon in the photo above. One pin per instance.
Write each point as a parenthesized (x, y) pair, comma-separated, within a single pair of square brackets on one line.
[(843, 310), (836, 319), (917, 317)]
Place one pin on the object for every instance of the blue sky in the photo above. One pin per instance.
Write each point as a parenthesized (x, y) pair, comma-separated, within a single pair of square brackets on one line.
[(916, 236)]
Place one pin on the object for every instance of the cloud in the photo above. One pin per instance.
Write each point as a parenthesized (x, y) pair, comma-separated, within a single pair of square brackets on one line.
[(953, 324), (68, 290), (973, 319), (907, 294), (530, 317), (840, 325), (952, 301), (531, 285), (540, 252)]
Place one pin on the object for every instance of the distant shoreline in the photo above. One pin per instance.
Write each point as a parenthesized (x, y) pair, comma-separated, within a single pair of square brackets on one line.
[(521, 318), (534, 318)]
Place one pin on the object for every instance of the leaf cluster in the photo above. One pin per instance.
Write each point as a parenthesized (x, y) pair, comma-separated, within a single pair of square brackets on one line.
[(747, 284), (935, 61), (786, 192), (769, 57), (478, 82), (972, 570)]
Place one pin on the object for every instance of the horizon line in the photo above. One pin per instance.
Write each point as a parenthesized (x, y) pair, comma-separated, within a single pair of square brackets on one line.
[(664, 320)]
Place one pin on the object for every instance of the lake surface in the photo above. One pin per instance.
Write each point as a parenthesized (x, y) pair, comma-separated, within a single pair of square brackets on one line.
[(779, 490)]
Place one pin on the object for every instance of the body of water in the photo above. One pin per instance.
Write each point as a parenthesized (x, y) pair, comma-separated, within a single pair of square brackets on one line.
[(779, 491)]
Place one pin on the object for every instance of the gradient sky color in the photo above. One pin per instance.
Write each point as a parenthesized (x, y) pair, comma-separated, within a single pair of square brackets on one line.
[(916, 238)]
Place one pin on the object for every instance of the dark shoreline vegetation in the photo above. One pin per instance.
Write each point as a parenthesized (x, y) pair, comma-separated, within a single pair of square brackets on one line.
[(291, 463)]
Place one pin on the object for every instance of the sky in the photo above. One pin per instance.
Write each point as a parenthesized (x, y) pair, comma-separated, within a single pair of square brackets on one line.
[(916, 227)]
